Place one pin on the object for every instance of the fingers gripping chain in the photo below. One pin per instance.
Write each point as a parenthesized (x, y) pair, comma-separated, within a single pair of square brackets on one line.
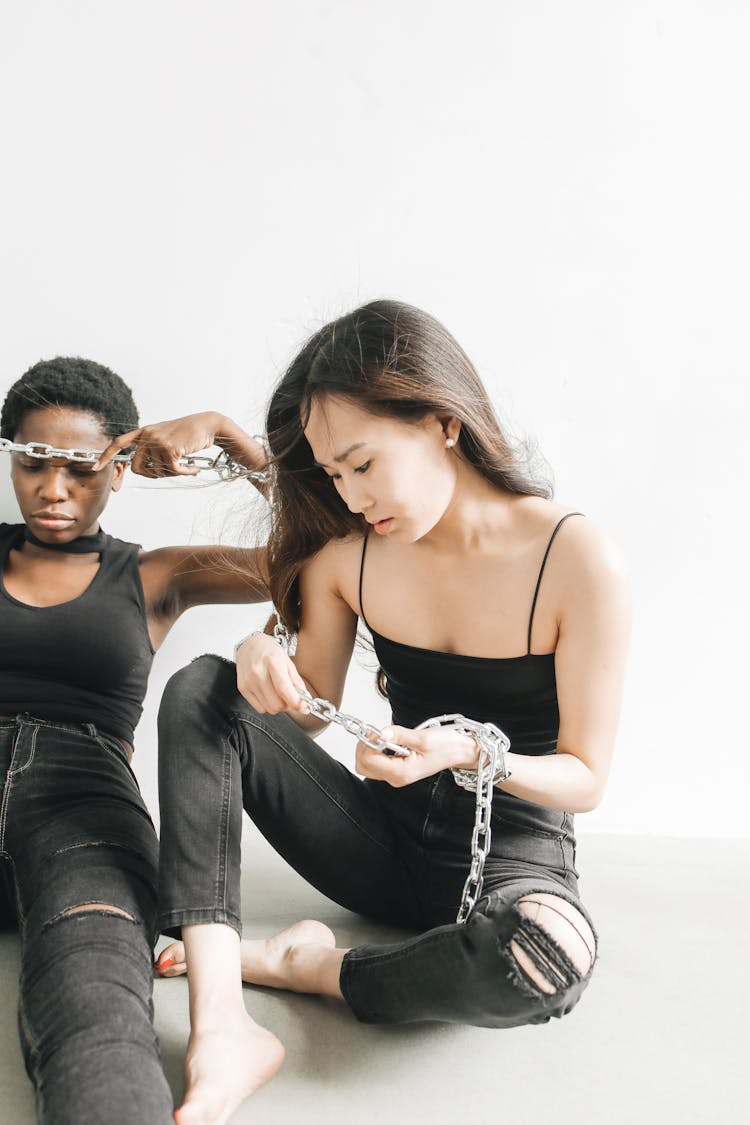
[(222, 464), (492, 744)]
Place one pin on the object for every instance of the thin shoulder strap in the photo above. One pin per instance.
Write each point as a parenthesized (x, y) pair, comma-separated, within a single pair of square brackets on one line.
[(541, 572), (361, 576)]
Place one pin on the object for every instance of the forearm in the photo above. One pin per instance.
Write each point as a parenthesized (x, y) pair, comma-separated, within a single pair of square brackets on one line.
[(242, 448), (557, 781)]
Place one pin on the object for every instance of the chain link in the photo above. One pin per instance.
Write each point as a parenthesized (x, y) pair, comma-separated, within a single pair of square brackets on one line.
[(221, 464), (364, 732), (492, 742)]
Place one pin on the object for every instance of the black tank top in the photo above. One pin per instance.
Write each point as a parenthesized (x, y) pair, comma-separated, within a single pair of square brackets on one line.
[(518, 693), (86, 660)]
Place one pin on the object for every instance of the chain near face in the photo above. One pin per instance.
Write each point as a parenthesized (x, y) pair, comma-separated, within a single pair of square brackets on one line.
[(400, 476), (60, 500)]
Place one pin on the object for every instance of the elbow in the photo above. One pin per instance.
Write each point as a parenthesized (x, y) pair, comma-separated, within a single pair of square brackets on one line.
[(586, 804), (585, 785), (590, 797)]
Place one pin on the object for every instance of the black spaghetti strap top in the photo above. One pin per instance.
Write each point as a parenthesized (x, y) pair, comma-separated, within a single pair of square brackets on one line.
[(518, 693), (85, 660)]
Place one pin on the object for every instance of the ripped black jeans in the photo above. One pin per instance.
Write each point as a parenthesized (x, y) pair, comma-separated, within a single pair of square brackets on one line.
[(398, 855), (74, 831)]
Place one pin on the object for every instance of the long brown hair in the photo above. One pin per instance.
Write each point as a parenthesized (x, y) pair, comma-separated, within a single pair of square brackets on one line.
[(393, 360)]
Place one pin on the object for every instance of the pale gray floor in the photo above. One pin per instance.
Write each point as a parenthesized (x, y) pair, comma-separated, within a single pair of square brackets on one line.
[(660, 1036)]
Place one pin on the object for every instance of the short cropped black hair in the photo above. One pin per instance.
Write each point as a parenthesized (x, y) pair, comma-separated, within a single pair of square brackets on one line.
[(71, 381)]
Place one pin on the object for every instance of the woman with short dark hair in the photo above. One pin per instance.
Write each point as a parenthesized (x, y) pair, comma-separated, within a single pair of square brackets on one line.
[(81, 614)]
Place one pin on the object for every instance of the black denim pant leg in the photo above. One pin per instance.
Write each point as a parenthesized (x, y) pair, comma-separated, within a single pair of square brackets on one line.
[(216, 756), (76, 833), (466, 973), (217, 753)]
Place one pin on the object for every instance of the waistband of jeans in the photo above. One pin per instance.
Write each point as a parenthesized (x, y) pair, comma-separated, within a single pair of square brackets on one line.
[(28, 719)]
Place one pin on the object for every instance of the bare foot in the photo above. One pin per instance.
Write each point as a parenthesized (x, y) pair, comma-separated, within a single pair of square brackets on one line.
[(225, 1066), (263, 962), (268, 962)]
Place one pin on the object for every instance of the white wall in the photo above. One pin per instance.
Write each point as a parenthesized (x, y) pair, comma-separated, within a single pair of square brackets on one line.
[(189, 188)]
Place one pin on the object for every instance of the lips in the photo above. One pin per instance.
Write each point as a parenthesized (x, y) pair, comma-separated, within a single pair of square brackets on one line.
[(53, 521)]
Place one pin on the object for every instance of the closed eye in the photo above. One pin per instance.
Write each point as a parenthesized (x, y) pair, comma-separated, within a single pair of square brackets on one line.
[(359, 469)]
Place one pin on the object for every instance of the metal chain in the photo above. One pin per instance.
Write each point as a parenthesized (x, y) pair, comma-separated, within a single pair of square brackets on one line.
[(364, 732), (492, 742), (222, 464)]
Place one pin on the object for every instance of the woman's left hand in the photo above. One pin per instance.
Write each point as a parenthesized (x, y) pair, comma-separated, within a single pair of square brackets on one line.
[(432, 750)]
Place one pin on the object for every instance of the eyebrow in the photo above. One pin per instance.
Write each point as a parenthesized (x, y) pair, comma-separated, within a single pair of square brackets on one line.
[(342, 456)]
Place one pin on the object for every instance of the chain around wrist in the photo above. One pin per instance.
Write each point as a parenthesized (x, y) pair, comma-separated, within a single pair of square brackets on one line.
[(491, 766), (280, 635)]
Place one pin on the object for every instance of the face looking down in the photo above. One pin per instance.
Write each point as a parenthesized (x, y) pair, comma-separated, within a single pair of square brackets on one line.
[(59, 499), (399, 475)]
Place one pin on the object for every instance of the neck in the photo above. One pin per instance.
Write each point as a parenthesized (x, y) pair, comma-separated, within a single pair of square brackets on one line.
[(83, 545), (477, 513)]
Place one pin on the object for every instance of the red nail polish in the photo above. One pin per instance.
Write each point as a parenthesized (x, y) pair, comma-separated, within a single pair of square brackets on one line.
[(166, 963)]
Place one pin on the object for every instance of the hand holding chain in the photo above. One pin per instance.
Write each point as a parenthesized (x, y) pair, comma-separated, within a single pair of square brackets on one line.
[(221, 464), (492, 744)]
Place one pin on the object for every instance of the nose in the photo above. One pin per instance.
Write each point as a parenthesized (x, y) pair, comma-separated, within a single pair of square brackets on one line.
[(54, 484), (355, 495)]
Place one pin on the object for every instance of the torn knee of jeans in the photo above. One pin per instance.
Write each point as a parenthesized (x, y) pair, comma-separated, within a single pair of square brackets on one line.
[(89, 908), (102, 844), (540, 963)]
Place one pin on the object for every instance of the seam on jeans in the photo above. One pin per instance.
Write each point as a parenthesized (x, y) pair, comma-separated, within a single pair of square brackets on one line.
[(19, 910), (226, 803), (71, 727), (4, 810), (289, 751), (32, 752), (120, 756), (9, 778), (33, 1049), (197, 915)]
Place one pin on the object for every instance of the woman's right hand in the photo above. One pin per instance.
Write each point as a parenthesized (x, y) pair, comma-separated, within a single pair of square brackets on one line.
[(160, 446), (267, 678)]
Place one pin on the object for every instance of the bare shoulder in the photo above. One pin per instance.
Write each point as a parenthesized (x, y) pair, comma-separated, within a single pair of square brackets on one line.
[(583, 550), (335, 569), (588, 578)]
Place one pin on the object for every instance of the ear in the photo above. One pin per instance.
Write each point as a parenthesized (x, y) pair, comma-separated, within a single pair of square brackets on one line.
[(118, 476), (451, 429)]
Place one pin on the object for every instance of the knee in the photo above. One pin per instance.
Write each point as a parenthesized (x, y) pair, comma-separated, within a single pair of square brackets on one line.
[(85, 953), (87, 979), (553, 947), (203, 683)]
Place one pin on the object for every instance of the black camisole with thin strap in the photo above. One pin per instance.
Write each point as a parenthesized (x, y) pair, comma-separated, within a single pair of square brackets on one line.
[(518, 693)]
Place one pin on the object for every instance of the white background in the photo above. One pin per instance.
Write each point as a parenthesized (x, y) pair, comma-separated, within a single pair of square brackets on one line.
[(188, 189)]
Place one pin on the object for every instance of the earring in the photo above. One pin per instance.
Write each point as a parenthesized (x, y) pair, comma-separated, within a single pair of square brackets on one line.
[(450, 442)]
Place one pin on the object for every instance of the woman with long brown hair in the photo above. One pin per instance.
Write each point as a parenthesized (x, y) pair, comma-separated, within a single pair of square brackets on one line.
[(397, 501)]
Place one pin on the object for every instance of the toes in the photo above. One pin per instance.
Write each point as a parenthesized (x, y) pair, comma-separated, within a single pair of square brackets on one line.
[(171, 960)]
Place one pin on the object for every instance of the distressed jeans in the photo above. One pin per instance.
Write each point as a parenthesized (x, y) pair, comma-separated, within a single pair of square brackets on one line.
[(398, 855), (74, 831)]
